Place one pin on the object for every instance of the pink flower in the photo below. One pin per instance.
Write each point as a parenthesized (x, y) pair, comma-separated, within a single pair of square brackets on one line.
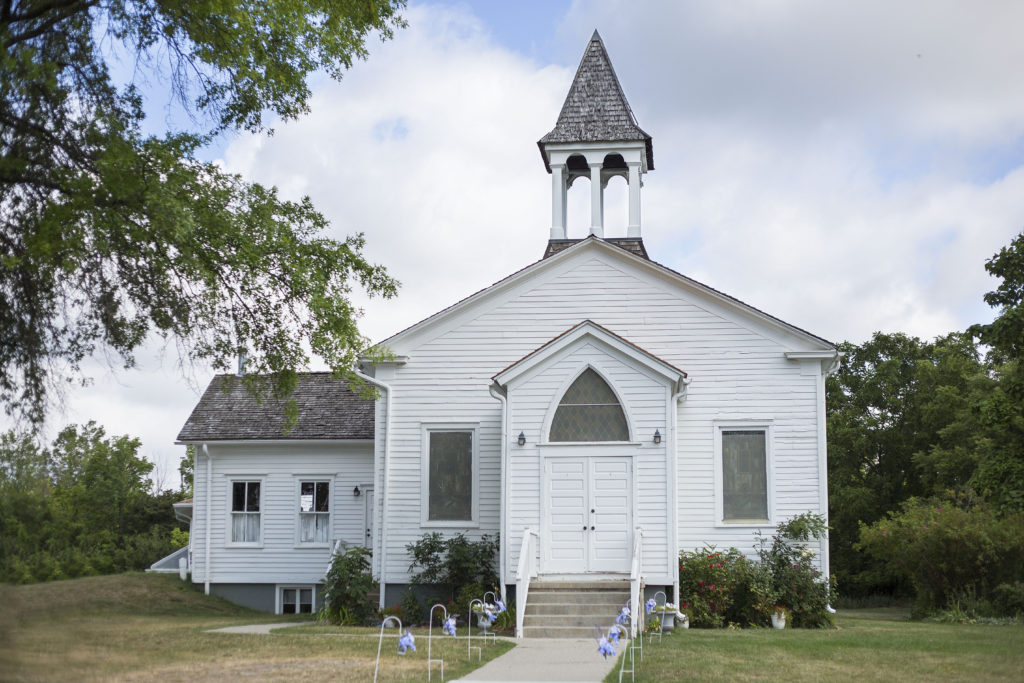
[(712, 586), (935, 523), (884, 531), (940, 509)]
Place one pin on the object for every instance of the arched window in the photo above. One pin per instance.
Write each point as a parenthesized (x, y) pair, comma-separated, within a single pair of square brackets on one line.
[(589, 411)]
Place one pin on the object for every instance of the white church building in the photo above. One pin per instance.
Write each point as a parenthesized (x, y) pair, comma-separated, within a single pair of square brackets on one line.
[(596, 409)]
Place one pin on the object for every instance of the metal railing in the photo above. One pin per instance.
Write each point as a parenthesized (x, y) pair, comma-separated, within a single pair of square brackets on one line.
[(635, 582), (526, 570)]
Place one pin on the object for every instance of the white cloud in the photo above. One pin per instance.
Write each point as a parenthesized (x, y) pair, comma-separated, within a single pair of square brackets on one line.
[(847, 167)]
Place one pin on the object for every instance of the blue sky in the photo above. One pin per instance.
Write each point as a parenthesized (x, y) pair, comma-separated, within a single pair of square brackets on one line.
[(847, 167)]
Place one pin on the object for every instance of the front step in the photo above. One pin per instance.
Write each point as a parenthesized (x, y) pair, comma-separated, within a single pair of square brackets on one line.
[(564, 609)]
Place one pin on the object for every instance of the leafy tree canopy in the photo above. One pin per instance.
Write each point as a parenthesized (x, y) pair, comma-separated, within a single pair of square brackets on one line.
[(108, 235)]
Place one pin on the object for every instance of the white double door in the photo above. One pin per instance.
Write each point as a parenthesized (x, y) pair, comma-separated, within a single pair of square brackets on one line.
[(588, 513)]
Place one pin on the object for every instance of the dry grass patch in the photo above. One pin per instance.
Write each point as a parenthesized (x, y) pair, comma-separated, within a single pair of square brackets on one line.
[(147, 627)]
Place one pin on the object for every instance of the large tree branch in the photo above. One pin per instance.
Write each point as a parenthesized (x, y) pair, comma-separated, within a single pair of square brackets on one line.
[(60, 15)]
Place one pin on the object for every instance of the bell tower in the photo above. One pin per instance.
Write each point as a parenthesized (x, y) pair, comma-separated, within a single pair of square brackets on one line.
[(596, 136)]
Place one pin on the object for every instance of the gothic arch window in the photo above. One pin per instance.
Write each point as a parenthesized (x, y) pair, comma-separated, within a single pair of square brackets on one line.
[(589, 411)]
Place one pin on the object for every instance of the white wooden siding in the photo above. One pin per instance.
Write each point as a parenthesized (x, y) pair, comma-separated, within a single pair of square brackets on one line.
[(735, 362), (280, 559)]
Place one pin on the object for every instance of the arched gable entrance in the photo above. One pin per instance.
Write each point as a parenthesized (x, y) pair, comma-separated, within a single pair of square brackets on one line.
[(586, 406)]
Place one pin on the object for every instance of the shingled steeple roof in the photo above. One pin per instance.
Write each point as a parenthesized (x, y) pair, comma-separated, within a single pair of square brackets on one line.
[(596, 110)]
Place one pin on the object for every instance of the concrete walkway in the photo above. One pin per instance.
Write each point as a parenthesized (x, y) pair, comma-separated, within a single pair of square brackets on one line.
[(259, 629), (547, 659)]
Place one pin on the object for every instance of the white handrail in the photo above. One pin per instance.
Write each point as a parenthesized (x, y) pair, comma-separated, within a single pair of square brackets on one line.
[(635, 579), (526, 570)]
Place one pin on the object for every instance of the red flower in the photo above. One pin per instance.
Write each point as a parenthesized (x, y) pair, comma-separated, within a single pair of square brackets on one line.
[(712, 586)]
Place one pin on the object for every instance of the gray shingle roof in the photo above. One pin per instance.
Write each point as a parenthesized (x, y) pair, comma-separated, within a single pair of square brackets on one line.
[(596, 110), (327, 409), (633, 245)]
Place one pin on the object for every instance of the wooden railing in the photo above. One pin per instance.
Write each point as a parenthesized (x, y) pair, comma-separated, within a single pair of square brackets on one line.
[(526, 570), (636, 608)]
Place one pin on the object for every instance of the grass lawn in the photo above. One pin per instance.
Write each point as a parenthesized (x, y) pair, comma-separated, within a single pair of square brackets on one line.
[(141, 627), (869, 645)]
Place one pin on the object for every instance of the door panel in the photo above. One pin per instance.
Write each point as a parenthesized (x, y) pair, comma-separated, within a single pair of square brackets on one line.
[(611, 496), (589, 515)]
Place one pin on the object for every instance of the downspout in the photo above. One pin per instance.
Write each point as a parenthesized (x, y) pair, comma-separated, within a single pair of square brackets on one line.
[(674, 461), (502, 554), (833, 366), (209, 503), (383, 526)]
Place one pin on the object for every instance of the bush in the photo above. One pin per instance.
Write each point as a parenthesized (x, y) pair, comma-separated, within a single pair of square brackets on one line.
[(720, 588), (454, 562), (1009, 599), (414, 612), (708, 582), (949, 552), (796, 582), (347, 587)]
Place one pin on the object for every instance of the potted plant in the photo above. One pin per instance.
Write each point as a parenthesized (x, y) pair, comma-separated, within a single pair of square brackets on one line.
[(668, 613), (780, 615)]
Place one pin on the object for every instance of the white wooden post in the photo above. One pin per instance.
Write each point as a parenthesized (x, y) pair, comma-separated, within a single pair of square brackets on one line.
[(633, 230)]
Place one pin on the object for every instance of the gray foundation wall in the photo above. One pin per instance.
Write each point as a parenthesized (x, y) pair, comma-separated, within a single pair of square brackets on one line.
[(261, 597)]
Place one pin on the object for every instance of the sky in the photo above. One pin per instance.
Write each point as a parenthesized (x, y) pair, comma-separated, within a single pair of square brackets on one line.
[(846, 167)]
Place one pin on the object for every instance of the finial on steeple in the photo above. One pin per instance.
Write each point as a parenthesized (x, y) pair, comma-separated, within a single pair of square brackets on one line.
[(596, 136)]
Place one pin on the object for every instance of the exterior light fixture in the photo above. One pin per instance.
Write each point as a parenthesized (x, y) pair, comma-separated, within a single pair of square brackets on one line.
[(522, 439), (356, 492), (657, 436)]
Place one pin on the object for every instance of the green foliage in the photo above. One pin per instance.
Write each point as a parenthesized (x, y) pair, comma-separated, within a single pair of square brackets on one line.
[(949, 552), (81, 507), (468, 593), (708, 582), (1008, 599), (900, 424), (796, 581), (179, 538), (454, 562), (722, 588), (347, 586), (413, 609), (110, 234)]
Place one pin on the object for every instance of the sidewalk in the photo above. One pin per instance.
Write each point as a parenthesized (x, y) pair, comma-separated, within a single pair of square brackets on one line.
[(546, 659), (263, 629)]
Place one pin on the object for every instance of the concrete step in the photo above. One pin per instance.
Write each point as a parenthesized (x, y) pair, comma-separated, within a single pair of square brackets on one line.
[(574, 608), (573, 598), (571, 609), (561, 631), (589, 586)]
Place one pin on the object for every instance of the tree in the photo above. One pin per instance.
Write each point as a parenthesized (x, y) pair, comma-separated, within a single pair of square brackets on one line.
[(900, 424), (109, 235), (1000, 473), (81, 506)]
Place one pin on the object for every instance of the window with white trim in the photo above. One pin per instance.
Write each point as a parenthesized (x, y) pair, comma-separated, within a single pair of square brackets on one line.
[(296, 600), (314, 511), (450, 482), (744, 467), (245, 511)]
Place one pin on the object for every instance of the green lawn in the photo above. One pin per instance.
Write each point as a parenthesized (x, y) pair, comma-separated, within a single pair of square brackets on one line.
[(139, 627), (868, 645)]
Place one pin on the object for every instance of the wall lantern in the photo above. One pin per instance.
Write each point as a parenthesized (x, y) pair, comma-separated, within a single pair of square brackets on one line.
[(356, 492), (522, 439), (657, 436)]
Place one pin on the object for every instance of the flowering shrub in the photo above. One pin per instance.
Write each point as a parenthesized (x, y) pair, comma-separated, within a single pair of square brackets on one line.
[(950, 552), (724, 587), (708, 580)]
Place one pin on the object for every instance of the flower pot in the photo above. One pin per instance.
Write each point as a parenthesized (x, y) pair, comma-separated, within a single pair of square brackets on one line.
[(483, 622), (668, 620), (778, 620), (684, 622)]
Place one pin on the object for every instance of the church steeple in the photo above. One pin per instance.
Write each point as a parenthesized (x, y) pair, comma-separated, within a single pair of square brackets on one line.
[(596, 136)]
